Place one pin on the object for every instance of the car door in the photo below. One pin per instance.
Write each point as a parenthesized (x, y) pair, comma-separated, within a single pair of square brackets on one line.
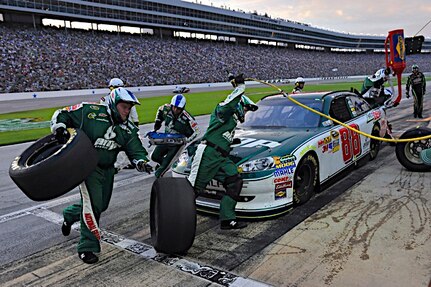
[(337, 147), (362, 119)]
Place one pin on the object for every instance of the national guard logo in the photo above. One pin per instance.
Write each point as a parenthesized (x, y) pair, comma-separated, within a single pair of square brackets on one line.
[(91, 116)]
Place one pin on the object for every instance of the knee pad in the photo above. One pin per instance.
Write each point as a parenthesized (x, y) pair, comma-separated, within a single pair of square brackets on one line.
[(233, 185)]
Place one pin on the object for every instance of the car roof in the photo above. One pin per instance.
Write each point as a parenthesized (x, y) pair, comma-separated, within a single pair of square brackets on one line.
[(313, 95)]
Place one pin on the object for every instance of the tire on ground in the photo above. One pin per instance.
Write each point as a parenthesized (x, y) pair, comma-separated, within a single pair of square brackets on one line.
[(306, 179), (47, 169), (374, 144), (172, 215), (408, 153)]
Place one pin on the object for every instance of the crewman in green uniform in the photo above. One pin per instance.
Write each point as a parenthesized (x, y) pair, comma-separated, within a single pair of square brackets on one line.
[(418, 83), (177, 121), (211, 160), (110, 130)]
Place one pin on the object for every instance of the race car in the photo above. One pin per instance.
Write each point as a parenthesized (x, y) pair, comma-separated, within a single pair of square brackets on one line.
[(287, 152), (181, 90)]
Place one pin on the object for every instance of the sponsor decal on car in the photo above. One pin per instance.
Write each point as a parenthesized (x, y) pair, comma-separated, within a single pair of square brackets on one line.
[(284, 185), (96, 108), (280, 194), (373, 115), (330, 143), (282, 179), (284, 165), (103, 115), (335, 134), (91, 116)]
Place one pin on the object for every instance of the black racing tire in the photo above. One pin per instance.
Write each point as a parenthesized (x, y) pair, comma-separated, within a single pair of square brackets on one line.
[(374, 144), (48, 169), (306, 179), (172, 215), (408, 153)]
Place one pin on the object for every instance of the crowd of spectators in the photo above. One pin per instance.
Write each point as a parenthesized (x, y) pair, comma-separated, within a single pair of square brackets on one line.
[(44, 59)]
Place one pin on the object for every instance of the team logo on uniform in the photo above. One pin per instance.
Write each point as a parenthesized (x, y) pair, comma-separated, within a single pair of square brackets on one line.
[(73, 108)]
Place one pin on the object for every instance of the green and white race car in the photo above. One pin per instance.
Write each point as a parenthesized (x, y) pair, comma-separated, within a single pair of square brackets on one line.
[(287, 151)]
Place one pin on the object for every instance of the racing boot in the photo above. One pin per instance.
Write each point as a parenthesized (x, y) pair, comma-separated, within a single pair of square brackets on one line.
[(232, 224), (65, 228), (88, 257)]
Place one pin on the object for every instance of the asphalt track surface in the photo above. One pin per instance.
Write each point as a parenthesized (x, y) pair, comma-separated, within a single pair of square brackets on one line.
[(34, 253)]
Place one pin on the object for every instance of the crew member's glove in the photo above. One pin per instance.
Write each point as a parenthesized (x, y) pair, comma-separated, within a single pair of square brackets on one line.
[(236, 80), (407, 95), (61, 135), (236, 141), (143, 166)]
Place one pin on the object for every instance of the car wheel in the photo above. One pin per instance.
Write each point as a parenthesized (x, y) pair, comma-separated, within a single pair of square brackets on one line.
[(172, 215), (408, 153), (48, 169), (374, 144), (305, 179)]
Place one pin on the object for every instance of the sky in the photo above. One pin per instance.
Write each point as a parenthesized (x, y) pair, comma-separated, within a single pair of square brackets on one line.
[(370, 17)]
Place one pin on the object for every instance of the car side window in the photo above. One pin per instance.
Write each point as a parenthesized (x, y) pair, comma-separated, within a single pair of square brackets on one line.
[(339, 109), (357, 105)]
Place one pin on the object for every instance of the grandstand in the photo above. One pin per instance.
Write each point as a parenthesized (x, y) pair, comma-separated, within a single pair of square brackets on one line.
[(175, 42)]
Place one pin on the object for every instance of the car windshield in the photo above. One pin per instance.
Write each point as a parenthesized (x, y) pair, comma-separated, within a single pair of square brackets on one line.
[(281, 112)]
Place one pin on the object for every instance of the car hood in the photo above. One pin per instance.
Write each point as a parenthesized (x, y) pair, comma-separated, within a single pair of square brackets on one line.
[(263, 142)]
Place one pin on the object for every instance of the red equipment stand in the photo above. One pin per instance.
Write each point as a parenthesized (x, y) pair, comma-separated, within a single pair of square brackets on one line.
[(396, 56)]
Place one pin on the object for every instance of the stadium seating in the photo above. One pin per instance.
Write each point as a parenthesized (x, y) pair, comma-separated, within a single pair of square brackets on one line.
[(48, 58)]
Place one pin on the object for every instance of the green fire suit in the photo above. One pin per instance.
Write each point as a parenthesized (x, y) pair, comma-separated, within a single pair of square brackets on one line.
[(184, 124), (211, 159), (418, 83), (108, 139)]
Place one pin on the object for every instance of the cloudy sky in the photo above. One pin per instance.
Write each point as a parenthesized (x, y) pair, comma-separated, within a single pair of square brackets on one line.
[(374, 17)]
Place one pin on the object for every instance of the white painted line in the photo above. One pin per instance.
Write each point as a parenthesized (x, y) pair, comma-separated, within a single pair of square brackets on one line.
[(146, 251)]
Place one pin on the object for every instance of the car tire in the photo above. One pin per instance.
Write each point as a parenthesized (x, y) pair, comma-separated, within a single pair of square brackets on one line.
[(48, 169), (306, 179), (374, 144), (172, 215), (408, 153)]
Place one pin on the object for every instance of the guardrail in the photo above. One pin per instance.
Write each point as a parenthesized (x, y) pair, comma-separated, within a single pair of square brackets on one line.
[(168, 88)]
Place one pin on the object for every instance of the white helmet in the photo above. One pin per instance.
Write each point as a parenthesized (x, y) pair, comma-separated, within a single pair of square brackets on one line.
[(120, 95), (380, 74), (115, 83), (178, 101), (299, 80)]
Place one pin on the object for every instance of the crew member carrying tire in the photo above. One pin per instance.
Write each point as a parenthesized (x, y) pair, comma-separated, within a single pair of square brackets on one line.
[(122, 160), (108, 128), (211, 160), (177, 121)]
